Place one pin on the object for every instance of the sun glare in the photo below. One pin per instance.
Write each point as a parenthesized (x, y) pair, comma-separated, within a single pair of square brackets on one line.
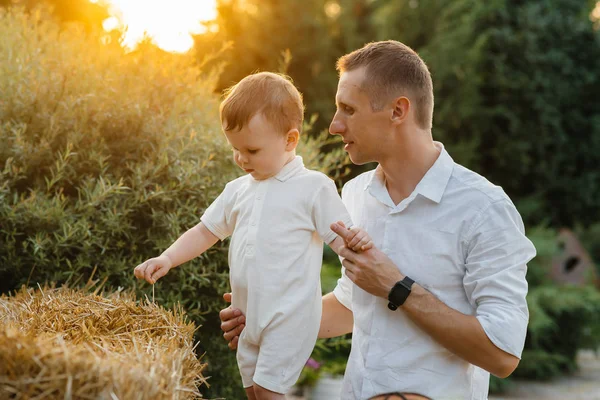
[(168, 23), (595, 15)]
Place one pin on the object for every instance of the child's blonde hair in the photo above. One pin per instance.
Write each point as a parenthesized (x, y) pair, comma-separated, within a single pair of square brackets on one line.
[(273, 95)]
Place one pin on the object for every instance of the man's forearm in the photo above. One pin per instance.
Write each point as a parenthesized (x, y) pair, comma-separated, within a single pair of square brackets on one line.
[(462, 334), (336, 319)]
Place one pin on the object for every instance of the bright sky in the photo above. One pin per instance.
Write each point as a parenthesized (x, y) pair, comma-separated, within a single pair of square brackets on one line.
[(169, 23)]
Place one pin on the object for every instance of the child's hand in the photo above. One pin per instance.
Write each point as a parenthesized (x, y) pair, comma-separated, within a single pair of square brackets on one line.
[(153, 269), (358, 239)]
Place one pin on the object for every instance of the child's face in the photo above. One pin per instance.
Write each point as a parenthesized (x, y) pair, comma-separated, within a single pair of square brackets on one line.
[(259, 150)]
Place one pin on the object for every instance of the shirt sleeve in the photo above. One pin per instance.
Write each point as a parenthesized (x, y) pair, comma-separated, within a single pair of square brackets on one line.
[(327, 209), (217, 217), (496, 265), (343, 289)]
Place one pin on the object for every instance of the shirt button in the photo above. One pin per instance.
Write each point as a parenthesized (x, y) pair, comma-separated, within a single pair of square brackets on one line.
[(257, 197), (253, 223)]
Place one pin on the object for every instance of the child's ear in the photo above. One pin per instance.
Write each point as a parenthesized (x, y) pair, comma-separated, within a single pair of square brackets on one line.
[(292, 138)]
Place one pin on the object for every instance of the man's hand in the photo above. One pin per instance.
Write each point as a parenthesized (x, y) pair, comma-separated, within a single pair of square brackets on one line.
[(232, 323), (153, 269), (371, 270)]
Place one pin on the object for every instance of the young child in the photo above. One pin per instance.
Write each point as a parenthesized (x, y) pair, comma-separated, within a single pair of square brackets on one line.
[(278, 216)]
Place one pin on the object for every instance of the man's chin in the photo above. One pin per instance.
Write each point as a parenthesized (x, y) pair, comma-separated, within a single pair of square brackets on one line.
[(357, 159)]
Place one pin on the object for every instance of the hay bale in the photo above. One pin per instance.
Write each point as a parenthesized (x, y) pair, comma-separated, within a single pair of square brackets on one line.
[(70, 344)]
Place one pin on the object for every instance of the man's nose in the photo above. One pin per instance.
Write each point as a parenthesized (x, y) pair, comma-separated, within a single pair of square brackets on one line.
[(336, 127)]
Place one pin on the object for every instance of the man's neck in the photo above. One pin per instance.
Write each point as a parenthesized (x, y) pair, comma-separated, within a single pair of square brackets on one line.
[(404, 168)]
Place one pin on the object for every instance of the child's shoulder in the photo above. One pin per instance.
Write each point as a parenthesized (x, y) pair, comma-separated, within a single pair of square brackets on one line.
[(235, 184), (317, 177)]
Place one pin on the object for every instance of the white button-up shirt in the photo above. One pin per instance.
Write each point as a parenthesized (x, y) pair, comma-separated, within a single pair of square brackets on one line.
[(461, 238)]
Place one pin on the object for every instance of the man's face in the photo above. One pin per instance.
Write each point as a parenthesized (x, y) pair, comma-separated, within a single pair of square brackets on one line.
[(258, 149), (363, 130)]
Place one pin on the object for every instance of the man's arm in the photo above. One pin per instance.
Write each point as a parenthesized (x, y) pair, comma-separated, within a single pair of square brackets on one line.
[(462, 334)]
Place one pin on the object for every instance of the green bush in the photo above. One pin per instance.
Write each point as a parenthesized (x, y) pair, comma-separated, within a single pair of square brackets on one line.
[(106, 159)]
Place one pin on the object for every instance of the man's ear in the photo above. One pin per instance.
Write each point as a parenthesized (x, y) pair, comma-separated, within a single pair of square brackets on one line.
[(292, 138), (401, 108)]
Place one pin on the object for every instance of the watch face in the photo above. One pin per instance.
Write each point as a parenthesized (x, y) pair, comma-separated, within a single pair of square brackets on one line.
[(399, 294)]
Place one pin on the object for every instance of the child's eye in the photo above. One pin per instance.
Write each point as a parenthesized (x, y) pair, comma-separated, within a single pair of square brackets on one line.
[(252, 151)]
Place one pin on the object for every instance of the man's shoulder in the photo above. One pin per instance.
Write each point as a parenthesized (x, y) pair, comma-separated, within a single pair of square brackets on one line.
[(475, 188), (359, 182)]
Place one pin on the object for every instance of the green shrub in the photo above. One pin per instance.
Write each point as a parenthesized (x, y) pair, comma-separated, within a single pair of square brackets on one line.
[(106, 159)]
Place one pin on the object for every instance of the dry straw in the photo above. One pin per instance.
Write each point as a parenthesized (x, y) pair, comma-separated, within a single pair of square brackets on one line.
[(72, 344)]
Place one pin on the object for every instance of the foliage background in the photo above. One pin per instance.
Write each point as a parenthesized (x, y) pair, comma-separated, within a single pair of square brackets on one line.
[(108, 156)]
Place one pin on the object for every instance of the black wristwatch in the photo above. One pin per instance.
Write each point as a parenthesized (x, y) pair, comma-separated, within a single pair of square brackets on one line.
[(399, 293)]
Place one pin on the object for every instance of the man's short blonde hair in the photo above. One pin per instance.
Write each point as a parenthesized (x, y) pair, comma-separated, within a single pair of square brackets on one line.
[(393, 69), (273, 95)]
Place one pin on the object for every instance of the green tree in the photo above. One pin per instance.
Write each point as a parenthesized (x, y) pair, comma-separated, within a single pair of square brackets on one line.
[(516, 87), (413, 22), (303, 39)]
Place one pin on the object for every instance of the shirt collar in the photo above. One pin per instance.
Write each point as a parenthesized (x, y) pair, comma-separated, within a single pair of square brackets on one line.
[(432, 185), (290, 169)]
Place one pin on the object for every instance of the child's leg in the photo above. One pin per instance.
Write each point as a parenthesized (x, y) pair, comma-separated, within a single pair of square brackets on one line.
[(250, 393), (265, 394)]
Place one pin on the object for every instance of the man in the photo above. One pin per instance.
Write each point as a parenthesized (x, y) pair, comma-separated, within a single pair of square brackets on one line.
[(432, 221)]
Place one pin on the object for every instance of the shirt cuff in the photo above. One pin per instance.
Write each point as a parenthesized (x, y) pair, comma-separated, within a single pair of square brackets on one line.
[(213, 228), (499, 333), (331, 235)]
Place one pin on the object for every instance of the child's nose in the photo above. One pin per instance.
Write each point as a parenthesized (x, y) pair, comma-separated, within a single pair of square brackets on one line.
[(243, 159)]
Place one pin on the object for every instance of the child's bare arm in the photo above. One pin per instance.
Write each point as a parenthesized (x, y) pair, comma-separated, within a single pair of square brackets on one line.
[(190, 245)]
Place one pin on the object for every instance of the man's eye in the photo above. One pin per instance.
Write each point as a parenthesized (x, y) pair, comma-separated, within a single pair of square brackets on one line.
[(349, 110), (252, 151)]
